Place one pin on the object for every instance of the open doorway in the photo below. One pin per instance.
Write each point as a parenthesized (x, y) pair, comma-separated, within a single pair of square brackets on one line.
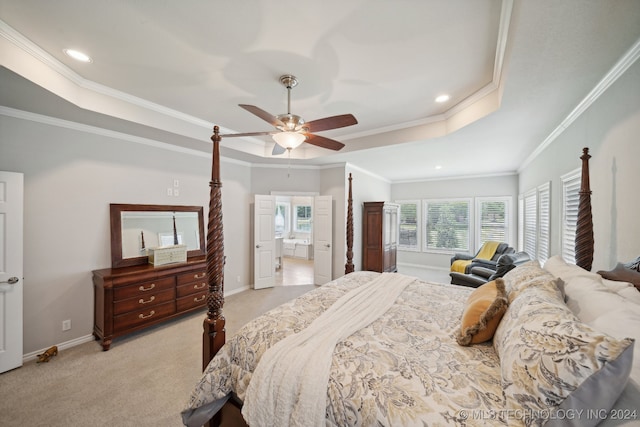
[(294, 234)]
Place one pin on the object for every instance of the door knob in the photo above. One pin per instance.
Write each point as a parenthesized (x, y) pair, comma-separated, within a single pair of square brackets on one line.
[(258, 246), (12, 280), (328, 245)]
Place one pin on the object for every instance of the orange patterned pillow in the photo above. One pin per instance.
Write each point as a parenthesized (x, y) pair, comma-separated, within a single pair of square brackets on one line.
[(482, 314)]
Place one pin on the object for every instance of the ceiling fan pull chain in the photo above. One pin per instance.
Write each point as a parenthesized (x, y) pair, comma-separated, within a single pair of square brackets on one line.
[(289, 164)]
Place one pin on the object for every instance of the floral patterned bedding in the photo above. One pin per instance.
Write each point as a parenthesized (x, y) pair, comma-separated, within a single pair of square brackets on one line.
[(403, 369)]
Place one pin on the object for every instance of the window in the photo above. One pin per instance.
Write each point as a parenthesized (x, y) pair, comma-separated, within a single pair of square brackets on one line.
[(530, 223), (447, 225), (409, 225), (492, 220), (570, 202), (534, 222), (544, 219), (282, 223), (302, 219)]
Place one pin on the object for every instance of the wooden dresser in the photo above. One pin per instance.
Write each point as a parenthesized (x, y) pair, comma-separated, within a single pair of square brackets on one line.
[(380, 230), (128, 299)]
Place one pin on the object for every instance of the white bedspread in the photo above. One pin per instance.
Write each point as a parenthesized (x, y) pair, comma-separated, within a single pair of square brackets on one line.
[(289, 385)]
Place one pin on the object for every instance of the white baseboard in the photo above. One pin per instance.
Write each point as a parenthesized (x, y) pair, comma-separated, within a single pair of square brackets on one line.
[(62, 346), (422, 266), (88, 338), (237, 291)]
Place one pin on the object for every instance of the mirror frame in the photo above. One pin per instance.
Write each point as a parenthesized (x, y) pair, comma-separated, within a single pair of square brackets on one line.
[(116, 210)]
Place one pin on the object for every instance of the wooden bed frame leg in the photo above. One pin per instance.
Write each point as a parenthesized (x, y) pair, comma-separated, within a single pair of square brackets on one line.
[(584, 225), (349, 267), (213, 336)]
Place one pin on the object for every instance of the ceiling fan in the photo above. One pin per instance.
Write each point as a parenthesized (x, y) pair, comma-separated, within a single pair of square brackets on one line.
[(292, 130)]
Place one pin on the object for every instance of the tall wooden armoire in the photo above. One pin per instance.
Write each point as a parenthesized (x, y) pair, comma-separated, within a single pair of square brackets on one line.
[(380, 230)]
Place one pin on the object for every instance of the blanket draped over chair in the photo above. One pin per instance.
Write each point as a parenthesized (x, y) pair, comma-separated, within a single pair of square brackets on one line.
[(289, 385), (487, 251)]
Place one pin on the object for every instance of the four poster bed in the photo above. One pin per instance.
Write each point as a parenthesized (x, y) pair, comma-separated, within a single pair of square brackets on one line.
[(540, 346)]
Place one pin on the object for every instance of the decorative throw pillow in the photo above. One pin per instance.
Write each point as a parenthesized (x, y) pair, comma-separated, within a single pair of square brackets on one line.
[(622, 274), (527, 275), (484, 308), (586, 294), (625, 289), (551, 361)]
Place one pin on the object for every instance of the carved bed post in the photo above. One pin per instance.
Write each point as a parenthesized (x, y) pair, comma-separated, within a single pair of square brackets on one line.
[(348, 267), (584, 225), (213, 336)]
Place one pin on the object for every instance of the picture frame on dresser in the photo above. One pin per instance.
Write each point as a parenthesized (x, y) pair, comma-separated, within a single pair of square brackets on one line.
[(133, 294)]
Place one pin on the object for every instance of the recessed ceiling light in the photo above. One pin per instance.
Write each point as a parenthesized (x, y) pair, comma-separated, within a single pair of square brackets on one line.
[(442, 98), (438, 167), (77, 55)]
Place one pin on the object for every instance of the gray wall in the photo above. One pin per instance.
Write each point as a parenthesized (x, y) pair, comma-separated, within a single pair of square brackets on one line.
[(367, 187), (506, 185), (70, 178), (611, 130)]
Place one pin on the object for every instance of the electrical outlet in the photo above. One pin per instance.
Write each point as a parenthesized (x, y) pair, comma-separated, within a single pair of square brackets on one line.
[(176, 183), (66, 325), (169, 191), (176, 192)]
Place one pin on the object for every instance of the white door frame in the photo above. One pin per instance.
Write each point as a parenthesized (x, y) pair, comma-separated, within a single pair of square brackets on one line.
[(264, 242), (322, 239), (11, 269)]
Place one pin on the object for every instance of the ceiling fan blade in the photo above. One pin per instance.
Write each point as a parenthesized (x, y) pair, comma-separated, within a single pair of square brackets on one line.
[(333, 122), (278, 149), (267, 117), (323, 142), (271, 132)]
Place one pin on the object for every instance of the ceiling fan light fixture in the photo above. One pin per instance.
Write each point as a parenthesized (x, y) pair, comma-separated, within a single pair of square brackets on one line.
[(289, 140)]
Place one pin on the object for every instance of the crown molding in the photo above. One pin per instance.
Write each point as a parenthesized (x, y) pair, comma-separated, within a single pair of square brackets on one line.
[(620, 67), (67, 124), (35, 51)]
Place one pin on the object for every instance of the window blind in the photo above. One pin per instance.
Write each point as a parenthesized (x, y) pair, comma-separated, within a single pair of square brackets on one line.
[(570, 201)]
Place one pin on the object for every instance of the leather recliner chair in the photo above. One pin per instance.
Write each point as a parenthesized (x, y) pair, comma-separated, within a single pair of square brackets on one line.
[(483, 274), (503, 248)]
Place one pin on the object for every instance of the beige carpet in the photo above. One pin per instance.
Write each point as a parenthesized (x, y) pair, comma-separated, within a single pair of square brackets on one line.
[(144, 379)]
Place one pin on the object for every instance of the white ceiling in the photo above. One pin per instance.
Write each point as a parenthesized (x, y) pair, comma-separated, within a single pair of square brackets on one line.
[(169, 71)]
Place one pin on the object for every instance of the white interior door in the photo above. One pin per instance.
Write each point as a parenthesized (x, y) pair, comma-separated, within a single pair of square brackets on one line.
[(264, 250), (11, 224), (322, 239)]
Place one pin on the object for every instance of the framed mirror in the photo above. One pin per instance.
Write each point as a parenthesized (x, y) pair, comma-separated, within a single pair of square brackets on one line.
[(135, 228)]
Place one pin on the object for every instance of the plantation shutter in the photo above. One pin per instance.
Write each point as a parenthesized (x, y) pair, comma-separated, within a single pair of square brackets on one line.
[(570, 200), (520, 223), (530, 224), (408, 225), (544, 213), (447, 225), (492, 219)]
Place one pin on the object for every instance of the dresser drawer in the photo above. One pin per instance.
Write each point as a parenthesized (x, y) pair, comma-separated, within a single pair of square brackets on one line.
[(191, 301), (145, 301), (139, 317), (192, 276), (142, 289), (192, 288)]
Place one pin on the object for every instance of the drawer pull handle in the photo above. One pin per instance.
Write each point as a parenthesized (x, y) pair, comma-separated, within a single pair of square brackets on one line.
[(199, 276), (142, 316), (199, 286), (142, 288), (200, 298), (141, 301)]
